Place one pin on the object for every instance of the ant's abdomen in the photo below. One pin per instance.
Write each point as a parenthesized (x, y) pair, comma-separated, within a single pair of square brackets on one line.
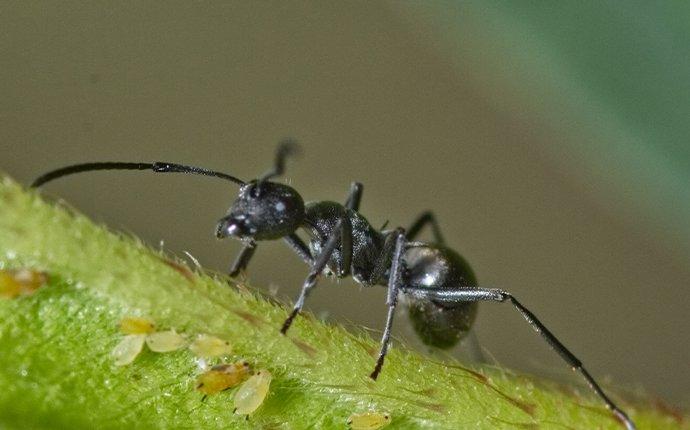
[(437, 267)]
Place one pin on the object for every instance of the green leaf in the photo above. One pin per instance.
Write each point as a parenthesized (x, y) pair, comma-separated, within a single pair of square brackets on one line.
[(56, 368)]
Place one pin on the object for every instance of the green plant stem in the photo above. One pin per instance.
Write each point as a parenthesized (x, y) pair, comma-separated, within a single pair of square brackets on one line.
[(56, 370)]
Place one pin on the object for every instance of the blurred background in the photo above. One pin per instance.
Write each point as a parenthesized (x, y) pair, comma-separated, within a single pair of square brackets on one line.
[(551, 140)]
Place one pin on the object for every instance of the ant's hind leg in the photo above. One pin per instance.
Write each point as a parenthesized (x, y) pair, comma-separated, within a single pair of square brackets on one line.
[(463, 295), (428, 217), (425, 218), (394, 283), (242, 259)]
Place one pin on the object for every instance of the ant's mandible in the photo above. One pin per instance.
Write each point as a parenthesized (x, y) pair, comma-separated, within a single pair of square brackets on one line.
[(440, 286)]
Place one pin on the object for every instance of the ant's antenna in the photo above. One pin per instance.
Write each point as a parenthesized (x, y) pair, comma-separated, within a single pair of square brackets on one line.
[(158, 167), (286, 148)]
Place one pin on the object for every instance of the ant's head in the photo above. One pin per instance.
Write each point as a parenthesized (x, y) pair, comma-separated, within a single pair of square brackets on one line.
[(265, 210), (262, 211)]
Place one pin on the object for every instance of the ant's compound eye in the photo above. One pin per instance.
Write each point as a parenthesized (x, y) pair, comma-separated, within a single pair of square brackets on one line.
[(249, 191), (254, 190)]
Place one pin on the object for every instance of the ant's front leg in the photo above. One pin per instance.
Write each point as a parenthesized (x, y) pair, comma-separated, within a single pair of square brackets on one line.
[(242, 259), (394, 284), (247, 252), (341, 234)]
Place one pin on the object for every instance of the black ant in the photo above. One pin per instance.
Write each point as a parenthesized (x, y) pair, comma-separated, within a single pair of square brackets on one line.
[(440, 286)]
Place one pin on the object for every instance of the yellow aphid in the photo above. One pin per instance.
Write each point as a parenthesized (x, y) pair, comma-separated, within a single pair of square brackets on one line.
[(137, 325), (207, 346), (18, 282), (222, 377), (9, 287), (369, 420), (165, 341), (31, 280), (127, 350), (252, 393)]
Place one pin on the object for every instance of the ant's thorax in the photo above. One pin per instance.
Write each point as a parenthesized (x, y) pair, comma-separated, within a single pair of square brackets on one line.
[(320, 222)]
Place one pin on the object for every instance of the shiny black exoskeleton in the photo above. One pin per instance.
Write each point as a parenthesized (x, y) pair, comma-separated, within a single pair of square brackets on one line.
[(440, 289), (267, 210)]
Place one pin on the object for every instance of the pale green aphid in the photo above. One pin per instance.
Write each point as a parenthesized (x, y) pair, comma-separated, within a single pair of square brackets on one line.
[(207, 346), (165, 341), (139, 331), (252, 393), (370, 420), (127, 350)]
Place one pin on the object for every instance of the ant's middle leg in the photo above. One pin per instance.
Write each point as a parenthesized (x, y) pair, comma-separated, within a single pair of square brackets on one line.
[(425, 218), (299, 247), (342, 234), (354, 197)]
